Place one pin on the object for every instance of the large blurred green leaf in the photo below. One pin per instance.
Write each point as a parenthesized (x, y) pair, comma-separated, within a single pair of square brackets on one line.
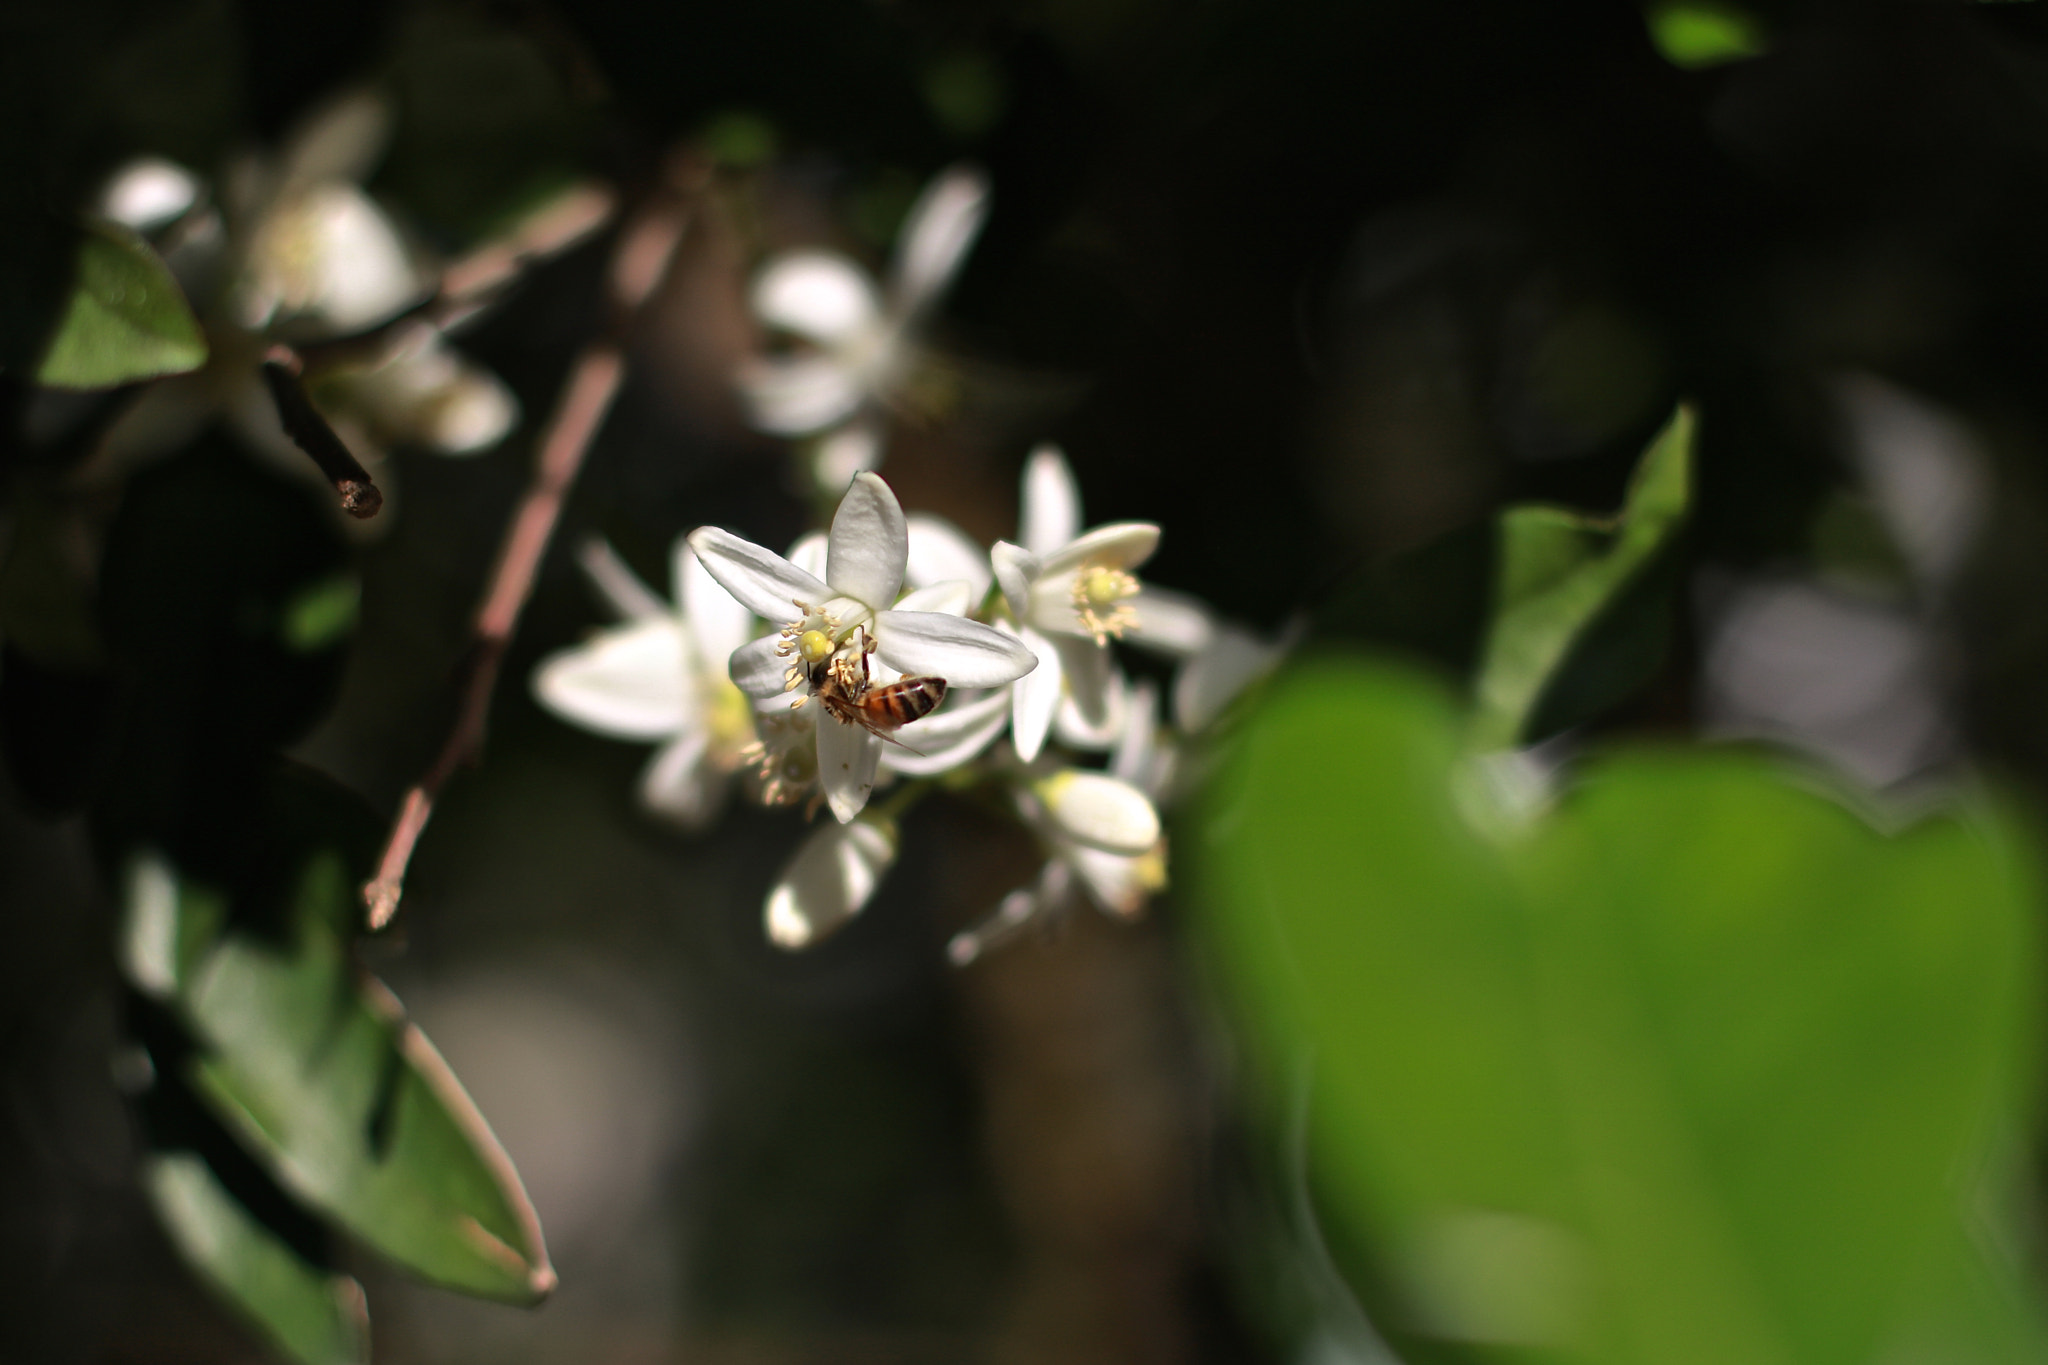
[(1559, 570), (1697, 1068), (126, 318), (313, 1317), (315, 1070)]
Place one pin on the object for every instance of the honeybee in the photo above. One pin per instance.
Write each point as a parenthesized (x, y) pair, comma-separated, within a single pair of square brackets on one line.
[(847, 695)]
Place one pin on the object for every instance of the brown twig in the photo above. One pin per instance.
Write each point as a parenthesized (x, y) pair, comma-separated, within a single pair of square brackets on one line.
[(640, 258), (283, 372)]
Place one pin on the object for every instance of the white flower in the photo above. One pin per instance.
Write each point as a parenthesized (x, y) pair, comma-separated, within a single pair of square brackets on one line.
[(1071, 593), (661, 676), (828, 881), (829, 627), (305, 255), (864, 336)]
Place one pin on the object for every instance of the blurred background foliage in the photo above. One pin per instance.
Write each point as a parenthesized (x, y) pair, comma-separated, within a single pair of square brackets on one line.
[(1376, 307)]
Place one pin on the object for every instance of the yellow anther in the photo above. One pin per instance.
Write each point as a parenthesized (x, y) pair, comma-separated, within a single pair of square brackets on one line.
[(1100, 602)]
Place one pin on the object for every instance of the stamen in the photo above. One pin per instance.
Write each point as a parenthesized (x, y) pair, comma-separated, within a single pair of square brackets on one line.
[(1099, 600), (806, 642)]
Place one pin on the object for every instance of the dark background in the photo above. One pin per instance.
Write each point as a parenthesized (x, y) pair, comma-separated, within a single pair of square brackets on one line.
[(1314, 286)]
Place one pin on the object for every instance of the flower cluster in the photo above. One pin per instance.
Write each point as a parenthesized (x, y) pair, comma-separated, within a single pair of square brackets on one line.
[(297, 251), (894, 655)]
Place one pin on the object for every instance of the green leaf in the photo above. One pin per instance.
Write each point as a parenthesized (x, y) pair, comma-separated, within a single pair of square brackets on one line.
[(322, 614), (1700, 33), (311, 1316), (1560, 570), (315, 1070), (1697, 1067), (126, 318)]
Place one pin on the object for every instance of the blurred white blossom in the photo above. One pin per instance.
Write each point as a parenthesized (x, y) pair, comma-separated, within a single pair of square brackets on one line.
[(860, 337), (300, 253)]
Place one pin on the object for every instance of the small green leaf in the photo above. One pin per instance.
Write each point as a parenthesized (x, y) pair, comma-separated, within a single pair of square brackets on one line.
[(1696, 1067), (316, 1071), (313, 1317), (319, 615), (1701, 33), (126, 318), (1559, 570)]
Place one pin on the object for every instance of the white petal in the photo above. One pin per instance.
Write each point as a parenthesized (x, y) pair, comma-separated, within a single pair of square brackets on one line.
[(343, 139), (944, 741), (1235, 658), (939, 550), (629, 681), (328, 256), (426, 393), (847, 758), (808, 554), (1171, 622), (757, 670), (764, 582), (1137, 742), (1118, 882), (937, 232), (952, 598), (870, 544), (1051, 505), (717, 621), (1077, 731), (616, 582), (1119, 545), (474, 415), (148, 193), (828, 881), (1036, 696), (682, 784), (1016, 568), (799, 394), (1099, 811), (816, 294), (964, 653), (1092, 685)]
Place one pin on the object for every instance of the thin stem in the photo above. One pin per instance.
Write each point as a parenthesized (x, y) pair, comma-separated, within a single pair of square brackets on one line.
[(640, 259), (283, 372)]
